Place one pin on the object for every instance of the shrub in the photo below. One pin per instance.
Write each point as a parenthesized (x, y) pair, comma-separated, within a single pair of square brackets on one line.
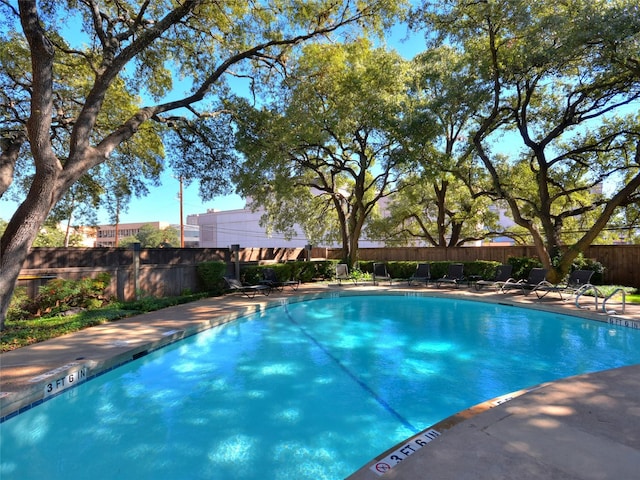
[(523, 265), (18, 305), (298, 270), (61, 295), (306, 271), (303, 271), (211, 275), (325, 269), (483, 268), (581, 263), (252, 274), (401, 269), (405, 269)]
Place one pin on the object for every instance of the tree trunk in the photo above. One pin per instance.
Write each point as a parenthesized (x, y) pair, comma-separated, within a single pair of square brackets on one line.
[(17, 240), (31, 214), (441, 194)]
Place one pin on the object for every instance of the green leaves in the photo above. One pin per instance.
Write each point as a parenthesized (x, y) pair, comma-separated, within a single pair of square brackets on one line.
[(151, 237), (330, 141), (563, 77)]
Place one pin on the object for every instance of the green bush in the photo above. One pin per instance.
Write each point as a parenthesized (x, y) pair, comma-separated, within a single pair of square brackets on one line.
[(522, 266), (211, 275), (306, 271), (324, 270), (402, 270), (60, 295), (298, 270), (581, 263), (483, 268), (18, 305), (24, 331), (316, 270)]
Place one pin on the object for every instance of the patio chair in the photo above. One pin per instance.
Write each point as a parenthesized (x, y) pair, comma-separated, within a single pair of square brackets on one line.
[(422, 274), (248, 291), (270, 278), (342, 273), (454, 275), (536, 279), (380, 273), (502, 275), (577, 280)]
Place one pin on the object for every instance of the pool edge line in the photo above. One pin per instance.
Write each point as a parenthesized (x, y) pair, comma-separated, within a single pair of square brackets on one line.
[(441, 427)]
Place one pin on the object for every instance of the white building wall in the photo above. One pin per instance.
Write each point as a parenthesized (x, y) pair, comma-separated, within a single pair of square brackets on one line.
[(505, 222), (220, 229)]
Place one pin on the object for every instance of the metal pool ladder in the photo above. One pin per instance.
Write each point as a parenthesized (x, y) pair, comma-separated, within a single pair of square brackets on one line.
[(598, 294)]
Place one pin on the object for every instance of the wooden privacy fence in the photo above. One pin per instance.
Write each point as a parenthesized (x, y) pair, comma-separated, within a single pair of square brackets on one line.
[(155, 271), (172, 271), (621, 262)]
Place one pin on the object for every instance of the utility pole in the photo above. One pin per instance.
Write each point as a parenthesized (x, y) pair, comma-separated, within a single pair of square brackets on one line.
[(115, 243), (181, 217)]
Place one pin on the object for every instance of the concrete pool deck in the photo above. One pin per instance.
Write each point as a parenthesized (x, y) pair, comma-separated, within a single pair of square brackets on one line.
[(582, 427)]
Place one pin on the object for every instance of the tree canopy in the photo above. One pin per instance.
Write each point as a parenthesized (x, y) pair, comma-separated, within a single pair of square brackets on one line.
[(447, 202), (330, 143), (98, 96), (74, 75), (149, 236), (562, 85)]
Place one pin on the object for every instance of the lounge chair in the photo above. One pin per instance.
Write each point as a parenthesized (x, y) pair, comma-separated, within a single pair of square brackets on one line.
[(270, 279), (502, 275), (249, 291), (342, 273), (380, 273), (422, 274), (454, 275), (577, 280), (536, 279)]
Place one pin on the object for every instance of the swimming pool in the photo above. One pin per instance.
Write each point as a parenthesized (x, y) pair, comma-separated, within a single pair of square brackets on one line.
[(306, 390)]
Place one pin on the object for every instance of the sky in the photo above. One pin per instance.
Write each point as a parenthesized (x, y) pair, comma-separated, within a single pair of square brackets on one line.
[(162, 204)]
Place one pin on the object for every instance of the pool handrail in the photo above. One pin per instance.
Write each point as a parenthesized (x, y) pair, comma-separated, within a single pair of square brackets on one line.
[(598, 294), (624, 300), (584, 289)]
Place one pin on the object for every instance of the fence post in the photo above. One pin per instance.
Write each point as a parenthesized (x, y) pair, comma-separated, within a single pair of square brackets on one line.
[(236, 248), (136, 269)]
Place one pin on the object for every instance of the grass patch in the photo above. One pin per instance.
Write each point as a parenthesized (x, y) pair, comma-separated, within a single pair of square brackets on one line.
[(20, 333), (634, 298)]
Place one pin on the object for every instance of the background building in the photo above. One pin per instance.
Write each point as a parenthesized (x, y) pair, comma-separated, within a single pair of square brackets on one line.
[(106, 234), (219, 229)]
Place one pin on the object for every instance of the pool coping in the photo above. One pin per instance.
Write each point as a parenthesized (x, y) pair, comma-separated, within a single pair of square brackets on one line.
[(92, 352)]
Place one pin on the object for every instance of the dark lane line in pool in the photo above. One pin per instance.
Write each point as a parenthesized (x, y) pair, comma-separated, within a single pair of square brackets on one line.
[(352, 375)]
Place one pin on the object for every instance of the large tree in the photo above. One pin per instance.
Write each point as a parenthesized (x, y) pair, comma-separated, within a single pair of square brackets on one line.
[(327, 150), (564, 91), (447, 203), (149, 236), (85, 62)]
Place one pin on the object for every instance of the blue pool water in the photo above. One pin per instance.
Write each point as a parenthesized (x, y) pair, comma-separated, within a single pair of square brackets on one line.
[(309, 390)]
